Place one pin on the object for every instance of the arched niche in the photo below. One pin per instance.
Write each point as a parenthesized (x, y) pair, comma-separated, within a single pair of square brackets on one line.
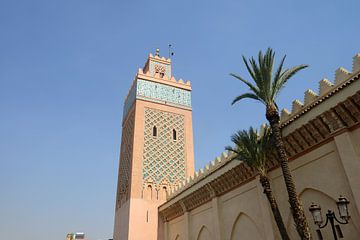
[(309, 195), (204, 234), (148, 192), (244, 228)]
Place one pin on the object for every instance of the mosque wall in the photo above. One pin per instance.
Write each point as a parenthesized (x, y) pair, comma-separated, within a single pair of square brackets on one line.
[(225, 201), (244, 213)]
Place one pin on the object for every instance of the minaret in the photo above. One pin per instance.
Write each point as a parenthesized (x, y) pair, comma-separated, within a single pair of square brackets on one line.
[(157, 150)]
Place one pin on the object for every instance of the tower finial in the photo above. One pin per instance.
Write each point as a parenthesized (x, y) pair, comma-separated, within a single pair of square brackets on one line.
[(157, 52)]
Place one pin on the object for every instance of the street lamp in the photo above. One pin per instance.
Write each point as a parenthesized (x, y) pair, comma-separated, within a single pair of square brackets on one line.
[(342, 205)]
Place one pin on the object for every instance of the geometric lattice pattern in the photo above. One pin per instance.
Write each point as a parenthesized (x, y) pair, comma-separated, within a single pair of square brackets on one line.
[(154, 67), (163, 157), (126, 155)]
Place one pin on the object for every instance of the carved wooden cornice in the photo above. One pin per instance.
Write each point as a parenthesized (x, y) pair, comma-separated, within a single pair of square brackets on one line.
[(344, 115)]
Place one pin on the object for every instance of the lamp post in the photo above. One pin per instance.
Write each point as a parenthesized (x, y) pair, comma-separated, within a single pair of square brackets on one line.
[(342, 205)]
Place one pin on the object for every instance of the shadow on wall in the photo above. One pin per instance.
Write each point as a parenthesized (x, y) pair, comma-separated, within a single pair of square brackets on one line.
[(309, 195), (244, 228)]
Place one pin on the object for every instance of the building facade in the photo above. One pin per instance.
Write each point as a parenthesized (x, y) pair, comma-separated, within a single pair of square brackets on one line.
[(225, 201), (156, 148)]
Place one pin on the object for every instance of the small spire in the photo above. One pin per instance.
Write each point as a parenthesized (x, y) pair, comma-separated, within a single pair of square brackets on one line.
[(157, 52)]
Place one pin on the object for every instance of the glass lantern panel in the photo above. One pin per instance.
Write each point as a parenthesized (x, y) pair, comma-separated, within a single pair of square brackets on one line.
[(343, 210), (317, 217)]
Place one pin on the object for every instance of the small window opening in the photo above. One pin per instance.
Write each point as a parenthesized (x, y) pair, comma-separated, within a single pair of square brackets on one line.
[(174, 134), (154, 131), (162, 74), (149, 192), (147, 216)]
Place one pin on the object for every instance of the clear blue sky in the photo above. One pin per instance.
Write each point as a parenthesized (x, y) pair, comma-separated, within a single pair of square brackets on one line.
[(66, 66)]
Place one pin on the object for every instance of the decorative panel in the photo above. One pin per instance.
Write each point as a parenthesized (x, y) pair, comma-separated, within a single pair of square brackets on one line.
[(126, 151), (129, 100), (164, 68), (163, 157), (161, 93)]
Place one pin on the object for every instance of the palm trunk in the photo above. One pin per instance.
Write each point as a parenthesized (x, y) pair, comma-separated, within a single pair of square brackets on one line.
[(264, 180), (297, 210)]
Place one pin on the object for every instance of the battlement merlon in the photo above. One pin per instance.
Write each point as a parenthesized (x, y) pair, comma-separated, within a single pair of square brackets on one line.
[(158, 69), (156, 58), (327, 88), (164, 80), (155, 83)]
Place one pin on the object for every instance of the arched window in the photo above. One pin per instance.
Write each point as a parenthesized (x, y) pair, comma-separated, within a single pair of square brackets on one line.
[(149, 192), (154, 131), (174, 134)]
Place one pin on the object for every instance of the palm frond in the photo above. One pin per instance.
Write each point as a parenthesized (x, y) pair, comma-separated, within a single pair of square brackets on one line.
[(251, 72), (251, 147), (277, 77), (246, 95), (251, 86), (285, 76), (258, 77), (267, 84)]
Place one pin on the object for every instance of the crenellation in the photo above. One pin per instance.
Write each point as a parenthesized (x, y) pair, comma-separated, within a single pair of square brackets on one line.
[(309, 96), (157, 75), (202, 173), (262, 129), (341, 74), (207, 167), (285, 114), (296, 106), (324, 86), (356, 63)]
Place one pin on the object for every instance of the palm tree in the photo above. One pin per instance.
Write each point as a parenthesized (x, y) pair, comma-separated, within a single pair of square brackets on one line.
[(253, 150), (265, 90)]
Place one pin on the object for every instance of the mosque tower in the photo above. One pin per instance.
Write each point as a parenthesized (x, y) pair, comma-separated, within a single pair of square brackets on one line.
[(157, 150)]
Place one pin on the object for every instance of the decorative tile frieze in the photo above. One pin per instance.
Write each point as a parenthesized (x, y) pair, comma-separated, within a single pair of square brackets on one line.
[(129, 101), (157, 92), (162, 93)]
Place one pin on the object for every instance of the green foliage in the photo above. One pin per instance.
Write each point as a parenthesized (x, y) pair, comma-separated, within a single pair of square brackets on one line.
[(267, 84), (252, 147)]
